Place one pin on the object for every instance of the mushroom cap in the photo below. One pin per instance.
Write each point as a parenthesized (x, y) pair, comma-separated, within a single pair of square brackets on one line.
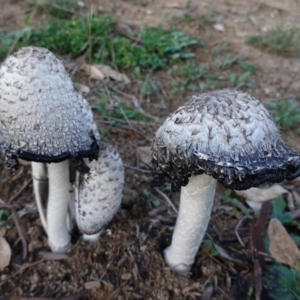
[(98, 192), (42, 117), (226, 134)]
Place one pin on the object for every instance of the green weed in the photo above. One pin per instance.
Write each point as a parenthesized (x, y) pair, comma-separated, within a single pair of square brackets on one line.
[(148, 87), (278, 211), (231, 60), (67, 36), (195, 78), (285, 114), (4, 214), (228, 198), (96, 34), (169, 43), (281, 41), (282, 283), (242, 81), (210, 247), (250, 293), (155, 201), (119, 111), (201, 78)]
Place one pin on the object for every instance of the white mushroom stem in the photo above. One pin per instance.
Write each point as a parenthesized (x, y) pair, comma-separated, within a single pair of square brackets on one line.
[(58, 201), (40, 188), (91, 238), (196, 201)]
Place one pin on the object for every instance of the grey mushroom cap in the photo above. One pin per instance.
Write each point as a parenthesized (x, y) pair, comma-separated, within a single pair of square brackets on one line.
[(99, 190), (226, 134), (42, 117)]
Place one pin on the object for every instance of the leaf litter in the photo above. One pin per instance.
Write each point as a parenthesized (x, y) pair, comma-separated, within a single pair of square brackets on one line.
[(283, 249)]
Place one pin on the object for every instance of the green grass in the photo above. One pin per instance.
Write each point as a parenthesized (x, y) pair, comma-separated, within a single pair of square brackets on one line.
[(231, 72), (281, 41), (154, 47), (282, 283), (119, 111), (286, 114)]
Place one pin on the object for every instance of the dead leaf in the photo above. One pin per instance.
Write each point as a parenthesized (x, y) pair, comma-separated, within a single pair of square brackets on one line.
[(282, 247), (256, 196), (5, 253), (93, 71), (192, 291), (143, 155), (232, 256), (107, 71), (82, 88)]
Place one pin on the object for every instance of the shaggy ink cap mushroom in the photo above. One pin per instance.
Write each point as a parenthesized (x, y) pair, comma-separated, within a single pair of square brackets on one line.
[(98, 192), (42, 117), (225, 136), (44, 120)]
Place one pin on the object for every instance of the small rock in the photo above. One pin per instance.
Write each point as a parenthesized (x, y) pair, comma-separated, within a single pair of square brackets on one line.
[(126, 276), (219, 27), (143, 248), (90, 285)]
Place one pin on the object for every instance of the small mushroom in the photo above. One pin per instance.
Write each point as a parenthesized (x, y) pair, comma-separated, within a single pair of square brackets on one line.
[(44, 120), (225, 136), (98, 192)]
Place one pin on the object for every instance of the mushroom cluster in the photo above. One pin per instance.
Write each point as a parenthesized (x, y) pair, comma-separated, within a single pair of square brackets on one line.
[(222, 136), (45, 121)]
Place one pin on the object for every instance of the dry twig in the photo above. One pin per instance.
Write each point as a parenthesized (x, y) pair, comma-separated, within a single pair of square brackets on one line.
[(168, 200), (236, 230)]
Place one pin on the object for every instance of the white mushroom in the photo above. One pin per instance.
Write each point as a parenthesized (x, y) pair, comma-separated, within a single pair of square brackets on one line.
[(98, 193), (44, 120), (226, 136)]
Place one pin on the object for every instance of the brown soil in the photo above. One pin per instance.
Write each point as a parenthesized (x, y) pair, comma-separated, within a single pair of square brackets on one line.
[(127, 262)]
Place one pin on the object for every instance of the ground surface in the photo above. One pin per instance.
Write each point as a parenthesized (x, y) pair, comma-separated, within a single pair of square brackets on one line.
[(127, 262)]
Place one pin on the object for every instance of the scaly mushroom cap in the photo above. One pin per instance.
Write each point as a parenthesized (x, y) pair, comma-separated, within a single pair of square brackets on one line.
[(226, 134), (42, 117), (98, 192)]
